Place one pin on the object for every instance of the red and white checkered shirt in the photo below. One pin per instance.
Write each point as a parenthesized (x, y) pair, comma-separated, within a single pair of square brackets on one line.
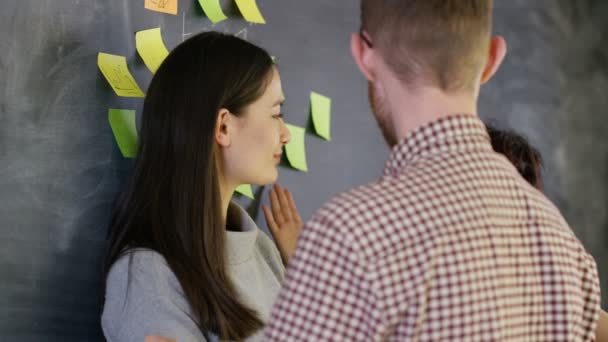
[(451, 244)]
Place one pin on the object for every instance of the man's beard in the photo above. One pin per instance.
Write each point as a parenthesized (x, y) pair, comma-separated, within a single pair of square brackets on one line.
[(382, 114)]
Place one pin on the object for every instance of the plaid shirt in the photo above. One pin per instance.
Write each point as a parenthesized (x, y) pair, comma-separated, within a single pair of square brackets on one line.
[(450, 244)]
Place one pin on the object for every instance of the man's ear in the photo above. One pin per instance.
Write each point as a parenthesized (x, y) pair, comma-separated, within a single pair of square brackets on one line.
[(496, 54), (362, 55), (223, 128)]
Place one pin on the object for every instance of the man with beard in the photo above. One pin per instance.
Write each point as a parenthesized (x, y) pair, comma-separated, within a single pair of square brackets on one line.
[(451, 243)]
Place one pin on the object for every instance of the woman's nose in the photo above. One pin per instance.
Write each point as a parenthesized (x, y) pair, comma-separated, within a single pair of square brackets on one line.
[(285, 134)]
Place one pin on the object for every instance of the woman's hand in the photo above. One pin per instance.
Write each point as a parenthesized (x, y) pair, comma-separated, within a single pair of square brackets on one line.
[(283, 220)]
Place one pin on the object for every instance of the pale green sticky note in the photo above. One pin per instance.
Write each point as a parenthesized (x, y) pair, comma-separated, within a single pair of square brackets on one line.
[(320, 106), (114, 69), (250, 11), (213, 10), (245, 189), (150, 46), (296, 148), (124, 128)]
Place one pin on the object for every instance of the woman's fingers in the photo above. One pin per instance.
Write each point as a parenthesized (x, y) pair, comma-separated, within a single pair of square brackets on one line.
[(292, 206), (270, 222), (275, 204), (157, 338), (284, 202), (285, 229)]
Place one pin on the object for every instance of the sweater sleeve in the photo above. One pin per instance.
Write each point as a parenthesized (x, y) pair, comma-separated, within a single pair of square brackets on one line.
[(143, 297)]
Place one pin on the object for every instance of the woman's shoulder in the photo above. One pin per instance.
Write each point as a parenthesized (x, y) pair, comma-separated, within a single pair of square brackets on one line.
[(142, 257), (143, 292), (141, 276), (143, 270), (140, 263)]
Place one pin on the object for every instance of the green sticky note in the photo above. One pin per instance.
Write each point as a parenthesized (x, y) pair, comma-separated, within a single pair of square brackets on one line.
[(150, 46), (245, 189), (250, 11), (320, 106), (114, 69), (124, 128), (296, 148), (213, 10)]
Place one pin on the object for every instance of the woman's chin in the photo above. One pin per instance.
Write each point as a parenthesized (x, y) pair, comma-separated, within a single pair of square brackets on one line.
[(270, 178)]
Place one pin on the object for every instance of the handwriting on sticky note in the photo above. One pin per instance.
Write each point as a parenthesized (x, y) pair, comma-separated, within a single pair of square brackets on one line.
[(250, 11), (212, 10), (320, 107), (122, 122), (245, 189), (114, 69), (151, 49), (164, 6), (296, 148)]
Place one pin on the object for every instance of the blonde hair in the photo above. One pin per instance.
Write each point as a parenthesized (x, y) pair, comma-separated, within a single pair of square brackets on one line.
[(441, 42)]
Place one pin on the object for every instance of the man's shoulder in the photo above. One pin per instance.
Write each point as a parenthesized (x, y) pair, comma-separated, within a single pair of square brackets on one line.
[(377, 194), (363, 208), (353, 201)]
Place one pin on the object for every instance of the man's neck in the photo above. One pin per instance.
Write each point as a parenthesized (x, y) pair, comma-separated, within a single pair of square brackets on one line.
[(412, 109)]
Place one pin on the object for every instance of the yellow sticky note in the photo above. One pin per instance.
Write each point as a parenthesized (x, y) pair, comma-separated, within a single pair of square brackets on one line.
[(250, 11), (296, 148), (245, 189), (320, 106), (150, 46), (114, 69), (164, 6), (124, 128), (213, 10)]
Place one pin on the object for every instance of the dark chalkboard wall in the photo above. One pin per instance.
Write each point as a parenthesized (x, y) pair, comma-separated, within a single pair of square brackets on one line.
[(60, 169)]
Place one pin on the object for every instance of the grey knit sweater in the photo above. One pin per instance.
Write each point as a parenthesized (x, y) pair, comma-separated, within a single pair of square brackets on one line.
[(143, 296)]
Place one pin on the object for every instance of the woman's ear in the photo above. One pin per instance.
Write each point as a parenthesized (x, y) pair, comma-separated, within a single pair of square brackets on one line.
[(223, 128)]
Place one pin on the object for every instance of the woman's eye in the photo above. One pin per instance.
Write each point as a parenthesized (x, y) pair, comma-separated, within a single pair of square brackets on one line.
[(278, 116)]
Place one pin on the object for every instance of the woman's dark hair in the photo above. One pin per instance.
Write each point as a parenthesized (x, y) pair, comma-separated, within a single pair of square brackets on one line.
[(172, 201), (526, 159)]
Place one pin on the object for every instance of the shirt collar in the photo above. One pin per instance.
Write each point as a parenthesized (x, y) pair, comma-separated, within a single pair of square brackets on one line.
[(240, 240), (454, 132)]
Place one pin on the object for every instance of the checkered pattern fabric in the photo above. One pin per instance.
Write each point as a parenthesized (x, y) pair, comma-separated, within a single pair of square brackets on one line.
[(451, 244)]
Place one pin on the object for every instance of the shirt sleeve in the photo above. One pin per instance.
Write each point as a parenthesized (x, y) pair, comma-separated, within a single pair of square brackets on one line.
[(142, 300), (326, 295), (591, 296)]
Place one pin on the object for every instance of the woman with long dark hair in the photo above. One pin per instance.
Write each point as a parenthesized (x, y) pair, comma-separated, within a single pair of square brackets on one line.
[(183, 261)]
